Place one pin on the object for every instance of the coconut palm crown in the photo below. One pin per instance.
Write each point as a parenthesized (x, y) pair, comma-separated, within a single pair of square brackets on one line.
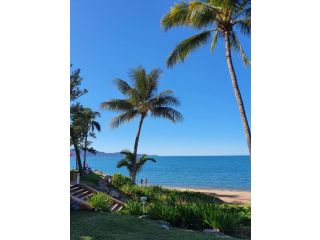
[(129, 159), (141, 100), (219, 19)]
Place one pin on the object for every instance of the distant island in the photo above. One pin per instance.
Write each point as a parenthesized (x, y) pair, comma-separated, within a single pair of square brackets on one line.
[(101, 154)]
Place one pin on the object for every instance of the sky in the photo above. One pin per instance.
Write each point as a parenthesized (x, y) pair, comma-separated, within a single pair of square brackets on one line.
[(109, 38)]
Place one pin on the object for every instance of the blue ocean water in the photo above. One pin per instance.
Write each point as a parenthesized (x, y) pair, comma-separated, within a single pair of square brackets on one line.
[(222, 172)]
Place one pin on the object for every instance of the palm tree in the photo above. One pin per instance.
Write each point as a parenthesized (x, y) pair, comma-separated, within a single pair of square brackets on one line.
[(221, 19), (131, 164), (90, 125), (142, 100)]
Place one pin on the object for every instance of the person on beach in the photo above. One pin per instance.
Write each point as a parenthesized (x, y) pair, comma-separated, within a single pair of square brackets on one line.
[(141, 181)]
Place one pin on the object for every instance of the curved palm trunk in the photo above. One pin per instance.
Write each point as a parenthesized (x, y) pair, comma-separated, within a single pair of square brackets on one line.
[(135, 152), (237, 91), (76, 148)]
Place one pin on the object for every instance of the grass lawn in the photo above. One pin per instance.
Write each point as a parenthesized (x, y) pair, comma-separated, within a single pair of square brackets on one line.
[(101, 226)]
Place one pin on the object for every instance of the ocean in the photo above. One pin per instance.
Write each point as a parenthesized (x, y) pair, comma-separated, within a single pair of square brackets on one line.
[(221, 172)]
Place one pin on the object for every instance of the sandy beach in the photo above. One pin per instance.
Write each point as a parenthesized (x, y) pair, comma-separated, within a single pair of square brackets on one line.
[(228, 196)]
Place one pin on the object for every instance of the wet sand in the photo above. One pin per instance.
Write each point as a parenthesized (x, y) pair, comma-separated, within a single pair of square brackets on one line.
[(228, 196)]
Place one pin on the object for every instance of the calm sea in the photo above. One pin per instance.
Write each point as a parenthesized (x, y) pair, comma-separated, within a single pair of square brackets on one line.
[(222, 172)]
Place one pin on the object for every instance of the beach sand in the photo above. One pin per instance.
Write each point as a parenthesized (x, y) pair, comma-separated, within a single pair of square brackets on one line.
[(228, 196)]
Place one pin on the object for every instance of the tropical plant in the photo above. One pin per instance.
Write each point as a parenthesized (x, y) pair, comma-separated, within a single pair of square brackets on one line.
[(119, 180), (90, 125), (221, 19), (133, 165), (75, 109), (76, 132), (100, 201), (134, 208), (142, 99), (226, 222)]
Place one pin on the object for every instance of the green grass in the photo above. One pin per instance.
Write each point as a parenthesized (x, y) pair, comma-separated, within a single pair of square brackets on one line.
[(91, 179), (101, 226)]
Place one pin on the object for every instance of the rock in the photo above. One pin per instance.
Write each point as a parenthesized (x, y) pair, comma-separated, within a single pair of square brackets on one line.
[(213, 230), (161, 222), (164, 226), (114, 194)]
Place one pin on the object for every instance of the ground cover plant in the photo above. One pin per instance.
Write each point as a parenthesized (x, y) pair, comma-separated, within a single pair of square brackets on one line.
[(191, 210)]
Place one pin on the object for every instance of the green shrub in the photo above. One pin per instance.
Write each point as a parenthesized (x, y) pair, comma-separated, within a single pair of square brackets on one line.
[(181, 215), (119, 180), (226, 222), (101, 201), (163, 212), (133, 208)]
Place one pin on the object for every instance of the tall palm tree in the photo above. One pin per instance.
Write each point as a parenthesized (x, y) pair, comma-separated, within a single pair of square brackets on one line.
[(90, 125), (221, 19), (131, 164), (142, 99)]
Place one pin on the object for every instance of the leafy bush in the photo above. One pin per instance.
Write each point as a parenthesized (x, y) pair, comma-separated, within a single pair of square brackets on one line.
[(181, 215), (100, 201), (133, 208), (119, 180), (226, 222)]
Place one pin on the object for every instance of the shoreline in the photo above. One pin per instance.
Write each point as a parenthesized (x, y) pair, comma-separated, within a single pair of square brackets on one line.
[(228, 196)]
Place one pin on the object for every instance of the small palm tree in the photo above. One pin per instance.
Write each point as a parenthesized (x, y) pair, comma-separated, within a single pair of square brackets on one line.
[(133, 166), (221, 19), (142, 99)]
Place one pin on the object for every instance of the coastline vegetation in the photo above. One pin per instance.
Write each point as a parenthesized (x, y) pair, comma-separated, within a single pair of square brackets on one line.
[(181, 209)]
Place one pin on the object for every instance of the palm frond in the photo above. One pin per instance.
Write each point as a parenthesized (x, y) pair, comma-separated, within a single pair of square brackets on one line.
[(153, 78), (124, 163), (96, 125), (127, 153), (117, 105), (142, 161), (168, 113), (139, 76), (122, 118), (123, 86), (164, 99), (202, 14), (244, 25), (178, 15), (214, 40), (235, 45), (183, 49)]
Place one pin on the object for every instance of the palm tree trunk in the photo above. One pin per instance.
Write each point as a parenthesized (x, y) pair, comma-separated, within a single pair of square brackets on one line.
[(135, 151), (236, 90), (85, 152), (76, 148)]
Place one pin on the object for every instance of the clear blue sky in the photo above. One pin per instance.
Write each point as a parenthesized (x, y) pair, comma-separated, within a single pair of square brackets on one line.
[(108, 38)]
